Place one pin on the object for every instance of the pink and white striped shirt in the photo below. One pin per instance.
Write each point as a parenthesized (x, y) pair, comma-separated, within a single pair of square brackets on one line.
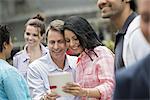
[(98, 73)]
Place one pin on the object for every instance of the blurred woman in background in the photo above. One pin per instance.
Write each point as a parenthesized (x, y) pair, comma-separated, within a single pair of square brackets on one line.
[(33, 35)]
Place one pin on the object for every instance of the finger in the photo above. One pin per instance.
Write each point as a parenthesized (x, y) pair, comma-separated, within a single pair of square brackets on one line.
[(51, 98), (69, 84), (52, 95), (73, 92)]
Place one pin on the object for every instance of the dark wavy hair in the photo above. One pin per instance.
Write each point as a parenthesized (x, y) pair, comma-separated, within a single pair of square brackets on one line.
[(83, 30), (4, 36), (37, 21)]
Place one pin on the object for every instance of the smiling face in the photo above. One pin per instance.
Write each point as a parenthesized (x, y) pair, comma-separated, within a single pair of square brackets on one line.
[(32, 36), (72, 42), (56, 44), (110, 8)]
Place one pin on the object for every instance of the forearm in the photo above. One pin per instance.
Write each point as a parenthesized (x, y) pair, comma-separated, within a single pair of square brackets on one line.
[(106, 89), (36, 86), (91, 92)]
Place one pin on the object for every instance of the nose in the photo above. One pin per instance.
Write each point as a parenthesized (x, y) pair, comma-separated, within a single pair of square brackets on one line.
[(30, 37), (101, 3), (72, 43), (56, 45)]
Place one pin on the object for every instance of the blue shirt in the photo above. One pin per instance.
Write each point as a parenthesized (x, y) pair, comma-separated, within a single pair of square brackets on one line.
[(37, 75), (12, 84)]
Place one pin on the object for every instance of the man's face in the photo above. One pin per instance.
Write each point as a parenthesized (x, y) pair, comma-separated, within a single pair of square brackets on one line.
[(144, 11), (110, 8), (56, 44)]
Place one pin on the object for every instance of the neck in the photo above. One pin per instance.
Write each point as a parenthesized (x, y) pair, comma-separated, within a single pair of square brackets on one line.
[(2, 56), (120, 19), (34, 53), (33, 49), (60, 62)]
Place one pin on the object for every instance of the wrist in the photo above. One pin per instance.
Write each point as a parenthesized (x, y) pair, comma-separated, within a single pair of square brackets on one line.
[(85, 92), (43, 97)]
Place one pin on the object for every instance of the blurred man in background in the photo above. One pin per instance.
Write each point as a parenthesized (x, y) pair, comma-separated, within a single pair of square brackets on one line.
[(129, 35), (134, 82)]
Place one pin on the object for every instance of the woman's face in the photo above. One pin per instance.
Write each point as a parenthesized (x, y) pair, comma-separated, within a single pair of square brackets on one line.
[(32, 36), (72, 41)]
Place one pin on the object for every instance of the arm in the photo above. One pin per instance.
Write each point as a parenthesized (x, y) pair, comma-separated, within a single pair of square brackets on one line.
[(139, 52), (15, 61), (15, 86), (75, 89), (104, 72), (105, 67), (35, 82)]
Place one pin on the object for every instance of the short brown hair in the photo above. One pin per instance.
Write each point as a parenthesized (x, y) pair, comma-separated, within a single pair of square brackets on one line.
[(37, 21), (56, 25)]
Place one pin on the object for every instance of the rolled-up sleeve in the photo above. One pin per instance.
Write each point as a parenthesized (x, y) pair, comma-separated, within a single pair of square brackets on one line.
[(105, 70), (35, 82)]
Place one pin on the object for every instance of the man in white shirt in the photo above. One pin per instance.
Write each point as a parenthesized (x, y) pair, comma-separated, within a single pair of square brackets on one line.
[(135, 46), (55, 61), (136, 79), (130, 45)]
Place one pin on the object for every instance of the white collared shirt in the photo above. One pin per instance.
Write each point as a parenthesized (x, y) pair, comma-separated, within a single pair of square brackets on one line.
[(21, 60), (37, 75)]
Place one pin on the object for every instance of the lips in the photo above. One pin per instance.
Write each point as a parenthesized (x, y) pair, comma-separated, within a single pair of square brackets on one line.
[(57, 52), (104, 9)]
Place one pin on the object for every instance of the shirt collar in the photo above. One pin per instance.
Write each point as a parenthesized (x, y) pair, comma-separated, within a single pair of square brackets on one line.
[(26, 56), (127, 22), (55, 67), (44, 49)]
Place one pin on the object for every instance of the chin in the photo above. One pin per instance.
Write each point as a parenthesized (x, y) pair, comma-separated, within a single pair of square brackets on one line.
[(105, 16), (76, 53)]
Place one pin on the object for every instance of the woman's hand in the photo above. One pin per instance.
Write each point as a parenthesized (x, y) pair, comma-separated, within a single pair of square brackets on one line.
[(50, 96), (74, 89)]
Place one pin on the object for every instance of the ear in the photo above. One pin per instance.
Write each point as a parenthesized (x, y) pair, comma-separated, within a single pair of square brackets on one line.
[(127, 1), (5, 45)]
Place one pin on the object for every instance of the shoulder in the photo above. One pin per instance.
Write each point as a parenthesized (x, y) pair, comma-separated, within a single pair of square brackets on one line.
[(20, 53), (10, 71), (135, 23), (103, 50), (134, 26), (40, 62), (71, 57), (138, 39), (35, 64)]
